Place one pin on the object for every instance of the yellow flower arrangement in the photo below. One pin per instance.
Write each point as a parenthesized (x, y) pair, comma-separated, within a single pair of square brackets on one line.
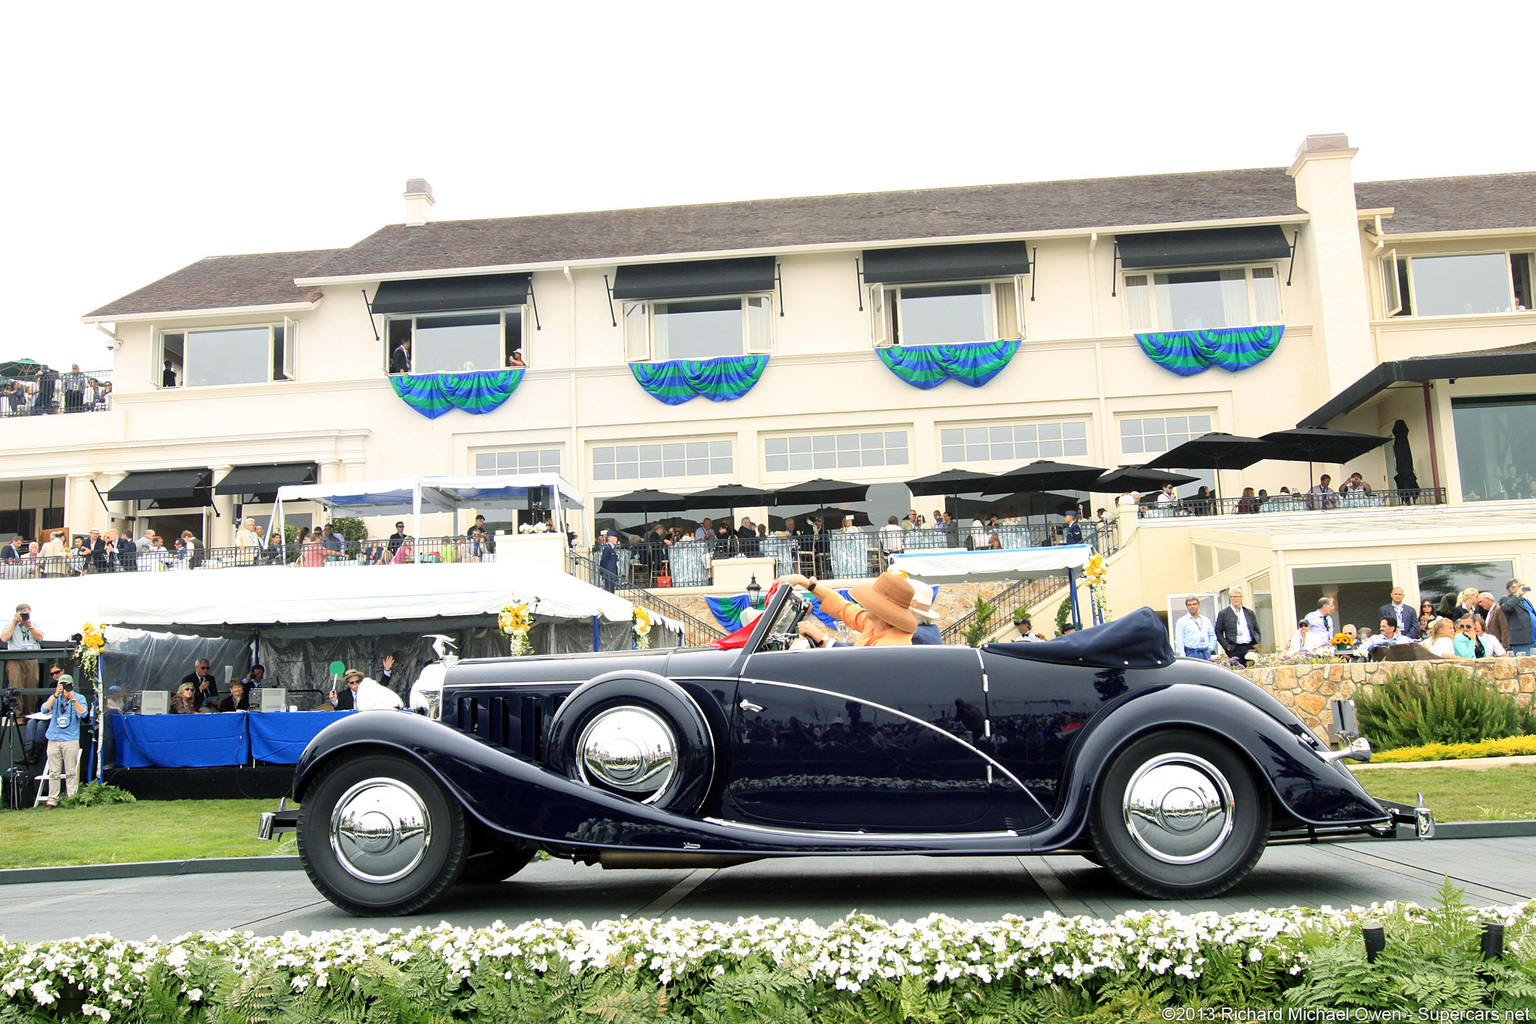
[(88, 650), (1095, 575), (642, 628), (1342, 640), (515, 621)]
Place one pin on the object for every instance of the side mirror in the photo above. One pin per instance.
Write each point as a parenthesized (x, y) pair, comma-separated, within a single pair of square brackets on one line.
[(1345, 725)]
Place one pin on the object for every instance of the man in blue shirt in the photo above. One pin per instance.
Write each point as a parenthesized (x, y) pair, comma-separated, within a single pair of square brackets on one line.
[(1195, 635), (66, 708)]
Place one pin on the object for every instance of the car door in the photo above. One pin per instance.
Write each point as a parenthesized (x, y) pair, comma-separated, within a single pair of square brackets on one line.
[(878, 738)]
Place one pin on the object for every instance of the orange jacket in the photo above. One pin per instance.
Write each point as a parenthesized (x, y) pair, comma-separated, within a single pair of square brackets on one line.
[(858, 620)]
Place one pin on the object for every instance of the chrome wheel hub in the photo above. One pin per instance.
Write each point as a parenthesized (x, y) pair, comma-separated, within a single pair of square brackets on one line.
[(628, 749), (1178, 808), (380, 830)]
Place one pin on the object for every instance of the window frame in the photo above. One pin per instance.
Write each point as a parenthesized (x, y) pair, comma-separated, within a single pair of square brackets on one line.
[(501, 311), (809, 436), (1150, 273), (885, 302), (280, 354), (1409, 303), (637, 319), (709, 470), (517, 450), (1085, 422)]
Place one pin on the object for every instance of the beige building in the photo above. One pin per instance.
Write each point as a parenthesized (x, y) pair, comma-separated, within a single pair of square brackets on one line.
[(1315, 299)]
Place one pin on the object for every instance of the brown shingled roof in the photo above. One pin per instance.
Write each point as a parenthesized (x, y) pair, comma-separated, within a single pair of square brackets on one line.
[(221, 282), (857, 217), (1467, 203)]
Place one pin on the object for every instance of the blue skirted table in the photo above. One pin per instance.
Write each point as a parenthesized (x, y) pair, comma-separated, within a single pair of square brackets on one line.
[(688, 565), (206, 741), (849, 551), (782, 551)]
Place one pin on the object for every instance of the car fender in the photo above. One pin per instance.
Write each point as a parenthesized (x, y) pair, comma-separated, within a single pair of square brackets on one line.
[(1309, 789)]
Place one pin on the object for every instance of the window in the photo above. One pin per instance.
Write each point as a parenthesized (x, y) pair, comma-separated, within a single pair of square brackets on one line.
[(1441, 582), (455, 343), (517, 460), (669, 458), (697, 328), (1493, 449), (945, 314), (853, 450), (1013, 442), (228, 355), (1192, 300), (1142, 437), (1471, 284)]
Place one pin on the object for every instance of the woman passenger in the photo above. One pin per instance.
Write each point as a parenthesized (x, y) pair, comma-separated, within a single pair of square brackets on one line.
[(880, 612)]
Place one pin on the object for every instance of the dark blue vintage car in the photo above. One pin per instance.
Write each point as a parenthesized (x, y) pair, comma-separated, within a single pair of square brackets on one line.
[(1172, 774)]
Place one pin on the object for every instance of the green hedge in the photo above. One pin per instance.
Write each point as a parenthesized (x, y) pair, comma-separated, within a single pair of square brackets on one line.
[(1137, 967), (1447, 705)]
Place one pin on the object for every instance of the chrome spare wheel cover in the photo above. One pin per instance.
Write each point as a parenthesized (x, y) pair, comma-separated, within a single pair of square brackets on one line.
[(1178, 808), (380, 830), (630, 749)]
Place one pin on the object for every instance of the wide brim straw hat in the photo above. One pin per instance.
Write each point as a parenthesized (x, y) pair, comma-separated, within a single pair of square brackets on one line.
[(889, 597)]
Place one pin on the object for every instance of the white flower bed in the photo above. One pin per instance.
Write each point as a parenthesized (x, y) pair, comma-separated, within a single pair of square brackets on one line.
[(112, 974)]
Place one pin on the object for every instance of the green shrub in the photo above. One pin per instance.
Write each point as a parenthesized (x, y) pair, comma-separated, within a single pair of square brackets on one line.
[(1448, 705), (352, 529), (977, 631), (94, 794), (1063, 615)]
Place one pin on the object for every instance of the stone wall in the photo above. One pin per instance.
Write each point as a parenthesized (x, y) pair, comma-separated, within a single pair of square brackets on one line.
[(1306, 689)]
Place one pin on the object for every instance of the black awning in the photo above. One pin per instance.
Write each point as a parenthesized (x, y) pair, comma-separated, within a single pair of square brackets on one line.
[(265, 479), (921, 263), (437, 294), (695, 279), (1494, 362), (1202, 248), (166, 486)]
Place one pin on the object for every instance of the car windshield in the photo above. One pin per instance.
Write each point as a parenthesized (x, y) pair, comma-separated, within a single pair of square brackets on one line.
[(782, 631)]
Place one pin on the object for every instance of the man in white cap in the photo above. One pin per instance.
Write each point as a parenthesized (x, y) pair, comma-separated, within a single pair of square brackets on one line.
[(923, 596)]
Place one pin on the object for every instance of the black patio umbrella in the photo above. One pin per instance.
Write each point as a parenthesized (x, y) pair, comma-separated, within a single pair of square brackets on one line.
[(952, 482), (1322, 444), (830, 515), (1046, 475), (821, 492), (730, 496), (1402, 458), (1218, 451), (1138, 478), (1025, 503), (645, 501)]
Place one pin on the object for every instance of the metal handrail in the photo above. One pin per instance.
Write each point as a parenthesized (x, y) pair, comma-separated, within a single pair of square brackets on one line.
[(1331, 501), (696, 632), (1023, 593)]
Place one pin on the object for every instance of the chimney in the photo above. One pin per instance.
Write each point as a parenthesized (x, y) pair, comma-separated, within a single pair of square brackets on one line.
[(418, 202)]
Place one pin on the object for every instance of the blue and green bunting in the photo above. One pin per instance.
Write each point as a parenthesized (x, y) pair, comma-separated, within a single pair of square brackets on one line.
[(928, 366), (719, 380), (1187, 353), (728, 611), (433, 394)]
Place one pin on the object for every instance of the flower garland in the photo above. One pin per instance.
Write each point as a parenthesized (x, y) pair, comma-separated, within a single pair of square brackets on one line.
[(1096, 577), (88, 650), (642, 628), (515, 621)]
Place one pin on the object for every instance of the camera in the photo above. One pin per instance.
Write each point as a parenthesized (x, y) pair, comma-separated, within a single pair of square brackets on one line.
[(7, 700), (26, 616), (68, 684)]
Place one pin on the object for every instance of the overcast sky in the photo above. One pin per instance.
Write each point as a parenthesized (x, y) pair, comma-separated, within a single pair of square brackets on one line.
[(143, 137)]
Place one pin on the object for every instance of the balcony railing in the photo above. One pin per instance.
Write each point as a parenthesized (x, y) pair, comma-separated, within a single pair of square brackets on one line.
[(52, 392), (1333, 501)]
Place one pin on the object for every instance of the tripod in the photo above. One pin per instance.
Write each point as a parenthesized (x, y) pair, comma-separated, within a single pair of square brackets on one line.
[(16, 755)]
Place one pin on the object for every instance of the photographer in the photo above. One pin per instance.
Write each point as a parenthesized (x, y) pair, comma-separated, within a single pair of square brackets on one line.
[(67, 708), (21, 635)]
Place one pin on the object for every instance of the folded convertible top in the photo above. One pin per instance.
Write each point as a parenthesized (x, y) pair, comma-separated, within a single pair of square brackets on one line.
[(1137, 640)]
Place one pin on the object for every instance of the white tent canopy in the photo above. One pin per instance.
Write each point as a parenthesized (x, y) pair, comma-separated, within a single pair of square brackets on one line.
[(414, 495), (283, 595), (955, 566)]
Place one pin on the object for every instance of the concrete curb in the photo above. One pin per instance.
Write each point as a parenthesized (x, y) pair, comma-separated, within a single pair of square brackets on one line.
[(225, 865), (148, 868)]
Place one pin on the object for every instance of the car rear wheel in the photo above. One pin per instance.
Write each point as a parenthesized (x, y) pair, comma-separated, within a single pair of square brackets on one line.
[(495, 864), (1178, 815), (379, 835)]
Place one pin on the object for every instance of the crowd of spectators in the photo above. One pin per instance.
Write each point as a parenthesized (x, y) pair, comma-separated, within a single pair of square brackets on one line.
[(45, 390), (1321, 496)]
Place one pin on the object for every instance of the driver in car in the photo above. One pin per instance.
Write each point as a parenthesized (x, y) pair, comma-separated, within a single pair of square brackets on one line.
[(880, 612)]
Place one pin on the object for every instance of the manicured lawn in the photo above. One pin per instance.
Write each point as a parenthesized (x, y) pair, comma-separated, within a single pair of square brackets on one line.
[(1459, 794), (147, 830)]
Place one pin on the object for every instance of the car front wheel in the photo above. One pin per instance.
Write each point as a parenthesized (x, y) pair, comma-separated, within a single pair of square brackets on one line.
[(379, 835), (1178, 815)]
